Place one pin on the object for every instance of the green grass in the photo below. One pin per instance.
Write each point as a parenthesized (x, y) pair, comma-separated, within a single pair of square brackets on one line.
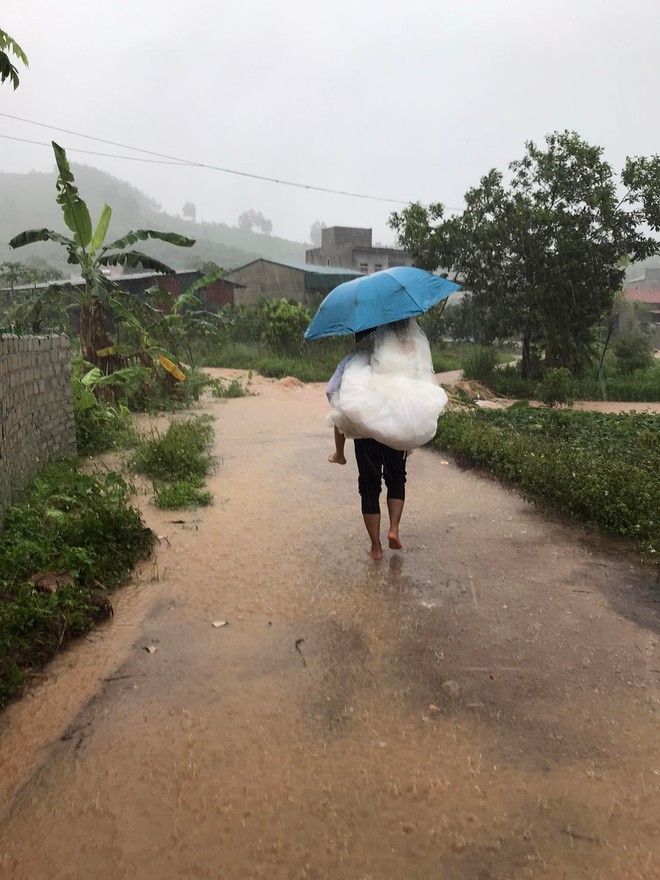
[(597, 468), (177, 461), (74, 525), (182, 452), (318, 360), (182, 495)]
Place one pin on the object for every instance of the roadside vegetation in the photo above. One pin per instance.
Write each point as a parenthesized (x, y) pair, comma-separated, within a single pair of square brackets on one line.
[(597, 468), (71, 540), (177, 461)]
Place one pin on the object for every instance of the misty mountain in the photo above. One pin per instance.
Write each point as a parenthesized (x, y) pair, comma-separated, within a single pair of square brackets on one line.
[(28, 202)]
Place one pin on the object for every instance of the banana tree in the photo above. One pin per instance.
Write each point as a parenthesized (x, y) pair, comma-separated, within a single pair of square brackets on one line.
[(8, 71), (88, 251)]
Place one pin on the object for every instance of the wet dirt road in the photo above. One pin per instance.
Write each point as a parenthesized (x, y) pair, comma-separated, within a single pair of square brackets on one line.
[(483, 705)]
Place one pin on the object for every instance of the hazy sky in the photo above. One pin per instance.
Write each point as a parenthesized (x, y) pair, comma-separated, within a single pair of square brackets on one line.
[(408, 100)]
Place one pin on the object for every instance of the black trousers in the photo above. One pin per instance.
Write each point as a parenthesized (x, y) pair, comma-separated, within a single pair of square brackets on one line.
[(376, 462)]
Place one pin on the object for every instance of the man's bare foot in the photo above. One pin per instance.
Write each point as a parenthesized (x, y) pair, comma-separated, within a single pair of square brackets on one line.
[(334, 458), (394, 541), (376, 551)]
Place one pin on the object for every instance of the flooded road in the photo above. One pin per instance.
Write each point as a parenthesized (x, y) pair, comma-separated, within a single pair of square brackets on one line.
[(485, 704)]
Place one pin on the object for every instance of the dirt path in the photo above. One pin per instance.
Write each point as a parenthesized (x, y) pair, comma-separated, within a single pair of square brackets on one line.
[(483, 705)]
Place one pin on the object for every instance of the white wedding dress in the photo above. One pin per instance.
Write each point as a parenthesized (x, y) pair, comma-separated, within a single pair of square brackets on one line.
[(391, 395)]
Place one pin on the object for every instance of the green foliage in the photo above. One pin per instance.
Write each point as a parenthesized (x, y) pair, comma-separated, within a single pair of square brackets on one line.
[(557, 386), (182, 495), (182, 452), (99, 426), (600, 469), (88, 251), (480, 364), (72, 524), (543, 254), (8, 71), (285, 325), (177, 461), (230, 389), (632, 350)]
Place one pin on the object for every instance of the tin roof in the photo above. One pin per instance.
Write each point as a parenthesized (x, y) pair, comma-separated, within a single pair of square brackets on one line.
[(644, 295)]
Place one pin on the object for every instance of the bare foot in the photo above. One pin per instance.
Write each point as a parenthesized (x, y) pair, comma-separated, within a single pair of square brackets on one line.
[(394, 541), (333, 458), (376, 551)]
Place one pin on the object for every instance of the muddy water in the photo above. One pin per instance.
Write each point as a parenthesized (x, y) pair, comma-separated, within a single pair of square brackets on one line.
[(483, 705)]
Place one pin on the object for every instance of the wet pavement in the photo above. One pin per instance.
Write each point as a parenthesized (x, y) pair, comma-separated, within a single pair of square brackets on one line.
[(485, 704)]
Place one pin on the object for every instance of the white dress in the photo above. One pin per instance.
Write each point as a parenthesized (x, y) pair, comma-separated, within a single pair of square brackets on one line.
[(391, 396)]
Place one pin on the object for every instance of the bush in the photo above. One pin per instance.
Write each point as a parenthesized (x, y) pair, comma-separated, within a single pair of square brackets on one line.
[(599, 468), (557, 386), (285, 325), (632, 351), (480, 365)]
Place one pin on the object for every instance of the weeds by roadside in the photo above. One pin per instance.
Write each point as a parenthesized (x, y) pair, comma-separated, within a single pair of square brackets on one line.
[(73, 536), (177, 461)]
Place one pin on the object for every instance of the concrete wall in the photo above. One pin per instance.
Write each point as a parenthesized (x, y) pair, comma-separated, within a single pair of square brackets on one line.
[(36, 409), (351, 248)]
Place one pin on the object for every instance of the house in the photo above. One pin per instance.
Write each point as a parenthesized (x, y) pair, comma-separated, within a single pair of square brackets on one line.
[(642, 301), (214, 296), (271, 279), (351, 247), (643, 308)]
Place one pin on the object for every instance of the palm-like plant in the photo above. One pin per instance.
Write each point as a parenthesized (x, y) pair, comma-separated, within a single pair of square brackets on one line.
[(9, 46), (88, 251)]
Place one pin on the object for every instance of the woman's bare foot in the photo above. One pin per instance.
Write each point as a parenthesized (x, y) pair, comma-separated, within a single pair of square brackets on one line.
[(394, 541), (335, 458), (376, 551)]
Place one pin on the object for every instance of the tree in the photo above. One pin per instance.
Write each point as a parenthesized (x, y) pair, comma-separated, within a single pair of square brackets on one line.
[(315, 234), (19, 275), (251, 219), (89, 253), (8, 71), (189, 211), (542, 254)]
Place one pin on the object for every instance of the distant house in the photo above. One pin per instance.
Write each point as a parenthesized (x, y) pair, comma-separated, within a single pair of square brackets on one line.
[(642, 293), (351, 247), (220, 293), (270, 279), (215, 295)]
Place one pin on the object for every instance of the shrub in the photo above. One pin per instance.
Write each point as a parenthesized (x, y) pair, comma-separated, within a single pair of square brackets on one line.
[(285, 325), (182, 495), (480, 365), (599, 468), (632, 351), (557, 386)]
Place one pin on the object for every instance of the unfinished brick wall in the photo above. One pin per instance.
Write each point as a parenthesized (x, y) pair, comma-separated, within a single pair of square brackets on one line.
[(36, 409)]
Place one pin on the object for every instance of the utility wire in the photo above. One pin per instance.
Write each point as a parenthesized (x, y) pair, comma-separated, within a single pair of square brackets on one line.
[(174, 160)]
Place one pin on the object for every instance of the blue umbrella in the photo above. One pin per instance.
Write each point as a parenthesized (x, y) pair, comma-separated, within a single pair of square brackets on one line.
[(381, 298)]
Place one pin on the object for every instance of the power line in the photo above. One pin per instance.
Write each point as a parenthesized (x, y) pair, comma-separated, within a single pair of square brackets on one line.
[(174, 160), (10, 137)]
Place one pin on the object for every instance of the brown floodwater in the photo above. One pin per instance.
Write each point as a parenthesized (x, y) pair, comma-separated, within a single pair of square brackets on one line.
[(483, 705)]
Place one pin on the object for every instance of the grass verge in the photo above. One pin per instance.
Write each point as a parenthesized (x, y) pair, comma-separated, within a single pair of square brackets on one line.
[(598, 468), (71, 537), (177, 461)]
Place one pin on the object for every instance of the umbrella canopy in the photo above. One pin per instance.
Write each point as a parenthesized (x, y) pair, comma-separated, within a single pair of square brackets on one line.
[(380, 298)]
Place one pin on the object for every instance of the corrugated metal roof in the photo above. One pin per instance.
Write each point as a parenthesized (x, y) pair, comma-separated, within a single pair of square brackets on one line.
[(644, 295), (308, 268)]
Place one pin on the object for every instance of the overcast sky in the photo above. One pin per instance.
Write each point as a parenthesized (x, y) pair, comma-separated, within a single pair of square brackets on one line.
[(407, 100)]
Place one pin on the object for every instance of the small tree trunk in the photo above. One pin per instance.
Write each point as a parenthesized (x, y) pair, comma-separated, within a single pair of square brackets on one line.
[(526, 363)]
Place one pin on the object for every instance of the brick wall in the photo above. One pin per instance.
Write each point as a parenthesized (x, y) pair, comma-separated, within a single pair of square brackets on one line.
[(36, 409)]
